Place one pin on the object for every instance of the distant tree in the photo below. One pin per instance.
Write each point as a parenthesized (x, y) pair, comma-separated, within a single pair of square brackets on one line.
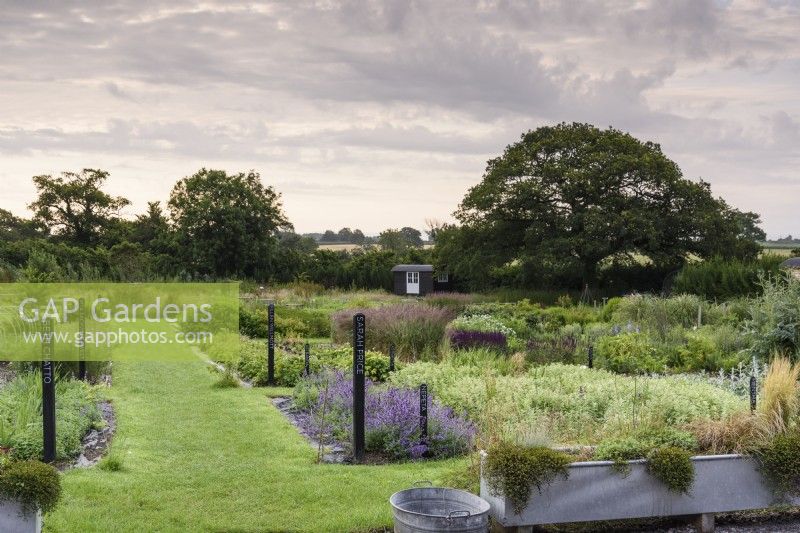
[(329, 236), (73, 205), (434, 226), (13, 228), (413, 236), (358, 237), (345, 235), (151, 228), (748, 224), (567, 197), (393, 240), (227, 224)]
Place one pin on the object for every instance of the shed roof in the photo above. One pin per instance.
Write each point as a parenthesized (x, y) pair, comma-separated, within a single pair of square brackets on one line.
[(412, 268), (793, 262)]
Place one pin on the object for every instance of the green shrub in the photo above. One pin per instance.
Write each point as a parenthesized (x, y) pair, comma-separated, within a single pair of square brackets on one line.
[(376, 364), (673, 466), (628, 353), (511, 470), (34, 484), (781, 461), (20, 416), (111, 463), (482, 323), (726, 278), (639, 444), (289, 321), (251, 364), (774, 316)]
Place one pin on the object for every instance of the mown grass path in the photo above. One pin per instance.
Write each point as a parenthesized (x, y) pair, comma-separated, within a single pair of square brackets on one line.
[(197, 458)]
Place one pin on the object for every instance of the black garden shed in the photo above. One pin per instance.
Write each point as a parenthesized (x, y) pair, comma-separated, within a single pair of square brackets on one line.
[(418, 280)]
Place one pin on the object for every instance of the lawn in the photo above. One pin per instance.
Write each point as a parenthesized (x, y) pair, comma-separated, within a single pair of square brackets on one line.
[(197, 458)]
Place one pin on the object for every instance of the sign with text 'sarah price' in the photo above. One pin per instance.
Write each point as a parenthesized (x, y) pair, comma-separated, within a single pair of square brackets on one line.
[(359, 359)]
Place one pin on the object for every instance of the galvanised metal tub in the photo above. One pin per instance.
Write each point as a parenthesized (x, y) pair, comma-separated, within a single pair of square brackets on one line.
[(427, 509)]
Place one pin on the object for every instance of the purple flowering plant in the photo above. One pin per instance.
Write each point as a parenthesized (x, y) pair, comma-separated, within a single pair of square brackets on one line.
[(392, 422), (462, 340)]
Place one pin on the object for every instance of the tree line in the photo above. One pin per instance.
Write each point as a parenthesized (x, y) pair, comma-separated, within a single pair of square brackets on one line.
[(568, 206)]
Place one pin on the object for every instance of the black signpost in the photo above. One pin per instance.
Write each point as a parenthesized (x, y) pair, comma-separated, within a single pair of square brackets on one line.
[(307, 365), (591, 356), (271, 344), (359, 354), (753, 392), (82, 345), (423, 413), (48, 393), (391, 358)]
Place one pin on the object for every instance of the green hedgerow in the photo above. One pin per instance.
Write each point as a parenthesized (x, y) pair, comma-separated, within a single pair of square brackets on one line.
[(511, 470), (673, 466), (781, 461), (32, 483)]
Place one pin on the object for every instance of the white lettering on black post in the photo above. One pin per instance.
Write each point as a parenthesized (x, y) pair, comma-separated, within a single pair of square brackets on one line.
[(359, 358)]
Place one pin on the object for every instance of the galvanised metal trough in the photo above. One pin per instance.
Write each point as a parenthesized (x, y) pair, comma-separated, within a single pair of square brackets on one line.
[(14, 520), (595, 491), (428, 509)]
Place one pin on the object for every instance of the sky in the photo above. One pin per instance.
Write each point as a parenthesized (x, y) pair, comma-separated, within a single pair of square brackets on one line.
[(373, 114)]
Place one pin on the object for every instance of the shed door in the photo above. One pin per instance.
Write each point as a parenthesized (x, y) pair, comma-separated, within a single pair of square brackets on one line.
[(412, 282)]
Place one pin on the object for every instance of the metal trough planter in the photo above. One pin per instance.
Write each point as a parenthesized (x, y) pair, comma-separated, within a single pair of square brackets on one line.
[(13, 520), (594, 491)]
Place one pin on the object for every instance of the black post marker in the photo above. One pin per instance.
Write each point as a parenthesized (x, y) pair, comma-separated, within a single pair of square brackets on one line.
[(591, 356), (48, 394), (423, 413), (359, 346), (391, 358), (82, 345), (271, 344), (307, 366), (753, 392)]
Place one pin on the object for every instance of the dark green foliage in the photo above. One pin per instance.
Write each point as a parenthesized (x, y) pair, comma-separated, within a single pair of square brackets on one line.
[(722, 279), (566, 198), (781, 461), (33, 483), (226, 224), (511, 470), (639, 443), (74, 207), (673, 466)]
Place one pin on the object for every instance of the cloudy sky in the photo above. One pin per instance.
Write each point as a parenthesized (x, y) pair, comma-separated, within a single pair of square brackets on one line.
[(382, 114)]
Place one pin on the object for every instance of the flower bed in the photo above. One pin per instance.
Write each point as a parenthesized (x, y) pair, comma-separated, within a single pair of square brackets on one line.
[(392, 418)]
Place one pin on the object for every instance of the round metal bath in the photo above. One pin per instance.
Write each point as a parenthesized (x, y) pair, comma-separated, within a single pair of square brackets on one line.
[(428, 509)]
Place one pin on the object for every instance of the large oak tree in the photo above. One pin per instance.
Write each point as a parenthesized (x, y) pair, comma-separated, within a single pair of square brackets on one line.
[(572, 196)]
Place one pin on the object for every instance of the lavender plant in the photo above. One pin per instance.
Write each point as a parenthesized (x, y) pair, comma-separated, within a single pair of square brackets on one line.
[(392, 418)]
